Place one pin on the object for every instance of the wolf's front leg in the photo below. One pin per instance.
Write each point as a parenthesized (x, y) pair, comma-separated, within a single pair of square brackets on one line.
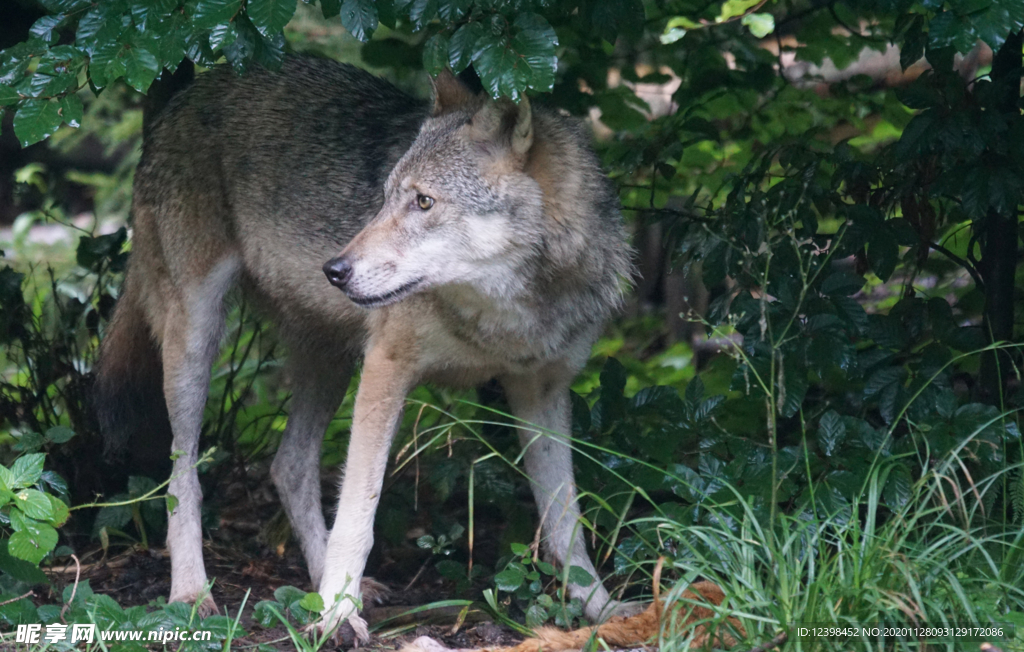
[(386, 379), (543, 404)]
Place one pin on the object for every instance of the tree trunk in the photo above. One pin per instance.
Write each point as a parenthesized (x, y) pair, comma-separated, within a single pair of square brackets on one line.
[(999, 243)]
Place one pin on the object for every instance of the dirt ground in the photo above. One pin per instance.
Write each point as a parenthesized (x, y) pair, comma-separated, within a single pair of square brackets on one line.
[(137, 576), (250, 548)]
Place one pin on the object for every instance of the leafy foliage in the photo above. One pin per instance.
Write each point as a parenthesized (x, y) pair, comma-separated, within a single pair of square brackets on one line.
[(525, 576), (847, 235)]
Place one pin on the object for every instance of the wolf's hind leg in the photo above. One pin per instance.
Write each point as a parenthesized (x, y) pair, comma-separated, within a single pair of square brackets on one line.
[(193, 325), (543, 401), (318, 388)]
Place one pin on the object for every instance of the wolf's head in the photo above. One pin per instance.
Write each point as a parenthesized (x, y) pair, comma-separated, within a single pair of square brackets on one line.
[(458, 206)]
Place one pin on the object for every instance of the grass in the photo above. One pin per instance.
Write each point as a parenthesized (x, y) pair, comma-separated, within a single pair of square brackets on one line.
[(938, 561)]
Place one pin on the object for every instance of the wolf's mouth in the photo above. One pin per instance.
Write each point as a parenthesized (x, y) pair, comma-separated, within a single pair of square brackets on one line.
[(388, 298)]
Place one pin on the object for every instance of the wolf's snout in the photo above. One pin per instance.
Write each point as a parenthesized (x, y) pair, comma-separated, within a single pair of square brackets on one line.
[(338, 271)]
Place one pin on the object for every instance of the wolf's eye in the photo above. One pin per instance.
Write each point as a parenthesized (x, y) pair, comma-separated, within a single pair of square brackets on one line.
[(424, 202)]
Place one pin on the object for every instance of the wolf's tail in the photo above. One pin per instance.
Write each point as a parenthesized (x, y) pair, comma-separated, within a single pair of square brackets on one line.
[(128, 393)]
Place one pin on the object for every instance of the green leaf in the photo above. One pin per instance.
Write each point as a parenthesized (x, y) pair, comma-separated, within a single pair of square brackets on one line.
[(452, 11), (883, 253), (103, 248), (8, 96), (19, 569), (422, 12), (520, 549), (312, 602), (59, 434), (694, 390), (451, 570), (65, 6), (107, 63), (100, 26), (435, 54), (36, 120), (171, 36), (461, 44), (579, 577), (495, 61), (270, 16), (107, 612), (831, 432), (71, 111), (733, 8), (33, 542), (209, 13), (60, 511), (26, 471), (359, 17), (6, 480), (141, 66), (997, 21), (897, 487), (535, 44), (796, 385), (760, 25), (45, 26), (113, 516), (671, 35), (223, 35), (842, 283), (148, 13), (267, 613), (288, 594), (509, 579), (140, 485), (34, 504), (950, 30), (268, 52), (882, 379), (619, 111), (546, 568), (536, 616), (29, 442)]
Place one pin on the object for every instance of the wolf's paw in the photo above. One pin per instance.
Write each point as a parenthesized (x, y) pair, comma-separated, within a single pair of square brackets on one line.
[(204, 607), (349, 633), (370, 590)]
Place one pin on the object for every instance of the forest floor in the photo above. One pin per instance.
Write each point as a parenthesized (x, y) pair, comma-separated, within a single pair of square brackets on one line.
[(137, 577), (250, 550)]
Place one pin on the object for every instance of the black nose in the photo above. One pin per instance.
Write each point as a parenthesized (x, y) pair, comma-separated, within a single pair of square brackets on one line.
[(338, 271)]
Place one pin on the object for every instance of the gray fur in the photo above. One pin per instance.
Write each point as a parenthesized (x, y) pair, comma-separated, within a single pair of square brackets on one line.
[(510, 273)]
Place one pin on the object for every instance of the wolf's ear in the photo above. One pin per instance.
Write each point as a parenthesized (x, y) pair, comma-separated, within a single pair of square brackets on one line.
[(506, 124), (450, 94)]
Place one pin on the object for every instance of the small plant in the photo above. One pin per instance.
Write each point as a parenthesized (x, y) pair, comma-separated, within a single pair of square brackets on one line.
[(147, 516), (450, 569), (289, 603), (526, 580), (32, 507), (442, 544)]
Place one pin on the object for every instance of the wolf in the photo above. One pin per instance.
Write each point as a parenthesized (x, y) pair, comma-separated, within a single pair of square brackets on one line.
[(453, 241)]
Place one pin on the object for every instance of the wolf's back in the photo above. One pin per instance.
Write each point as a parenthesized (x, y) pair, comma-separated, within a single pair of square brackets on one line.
[(306, 148), (279, 167)]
